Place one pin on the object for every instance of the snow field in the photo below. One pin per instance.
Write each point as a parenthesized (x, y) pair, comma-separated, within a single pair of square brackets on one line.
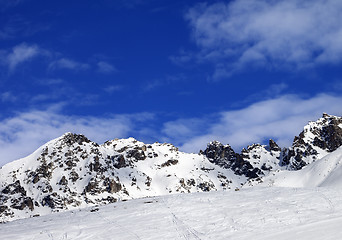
[(254, 213)]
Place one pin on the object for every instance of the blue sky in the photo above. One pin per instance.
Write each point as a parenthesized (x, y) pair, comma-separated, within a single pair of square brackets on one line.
[(186, 72)]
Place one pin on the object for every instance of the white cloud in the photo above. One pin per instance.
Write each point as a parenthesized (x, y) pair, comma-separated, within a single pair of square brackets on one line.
[(267, 33), (182, 130), (281, 118), (20, 135), (25, 53), (105, 67), (21, 53), (65, 63)]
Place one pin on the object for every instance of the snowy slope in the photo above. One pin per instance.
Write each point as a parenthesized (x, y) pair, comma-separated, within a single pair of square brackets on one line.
[(325, 172), (255, 213)]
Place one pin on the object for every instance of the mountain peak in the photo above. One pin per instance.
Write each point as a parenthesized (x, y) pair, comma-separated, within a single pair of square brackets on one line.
[(72, 172), (71, 138), (325, 115), (317, 139), (273, 145), (325, 133), (329, 116)]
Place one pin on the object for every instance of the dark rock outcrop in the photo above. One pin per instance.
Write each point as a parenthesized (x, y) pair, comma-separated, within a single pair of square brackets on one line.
[(273, 146), (225, 157)]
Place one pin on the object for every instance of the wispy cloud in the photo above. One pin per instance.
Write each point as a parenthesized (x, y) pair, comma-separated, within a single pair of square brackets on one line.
[(65, 63), (271, 92), (17, 26), (167, 80), (113, 88), (182, 57), (5, 4), (20, 54), (68, 95), (182, 130), (104, 67), (279, 118), (8, 97), (268, 34), (50, 81), (21, 134), (24, 53)]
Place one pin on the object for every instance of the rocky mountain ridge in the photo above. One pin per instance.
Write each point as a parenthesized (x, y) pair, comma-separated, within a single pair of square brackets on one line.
[(72, 172)]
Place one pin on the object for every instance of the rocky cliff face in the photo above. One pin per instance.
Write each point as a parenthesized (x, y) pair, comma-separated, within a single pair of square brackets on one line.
[(314, 142), (317, 139), (72, 172), (225, 157)]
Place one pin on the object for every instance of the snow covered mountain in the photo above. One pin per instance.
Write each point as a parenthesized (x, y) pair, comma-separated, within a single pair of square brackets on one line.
[(72, 172)]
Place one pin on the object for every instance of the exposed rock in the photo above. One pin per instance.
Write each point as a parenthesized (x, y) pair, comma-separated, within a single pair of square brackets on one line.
[(273, 146), (25, 202), (112, 186), (48, 201), (119, 161), (169, 163), (331, 136), (63, 181), (3, 209), (148, 181), (14, 188), (71, 138), (206, 186), (224, 156), (92, 187), (73, 176), (95, 166), (136, 154)]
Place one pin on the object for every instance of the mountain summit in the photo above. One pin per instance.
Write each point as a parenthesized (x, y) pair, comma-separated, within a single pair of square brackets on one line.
[(72, 172)]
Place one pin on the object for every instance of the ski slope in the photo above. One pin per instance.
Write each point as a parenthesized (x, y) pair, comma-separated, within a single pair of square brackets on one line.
[(252, 213)]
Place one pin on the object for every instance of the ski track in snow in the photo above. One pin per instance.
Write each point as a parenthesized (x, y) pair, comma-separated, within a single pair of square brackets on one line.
[(184, 231), (113, 224)]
